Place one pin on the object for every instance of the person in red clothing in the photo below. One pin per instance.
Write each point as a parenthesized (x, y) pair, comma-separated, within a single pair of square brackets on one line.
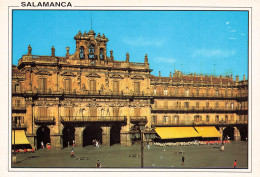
[(235, 164), (72, 153)]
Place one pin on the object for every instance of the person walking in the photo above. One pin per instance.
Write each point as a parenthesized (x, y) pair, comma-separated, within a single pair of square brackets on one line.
[(42, 145), (72, 153), (182, 160), (148, 146), (73, 143), (98, 165), (235, 164)]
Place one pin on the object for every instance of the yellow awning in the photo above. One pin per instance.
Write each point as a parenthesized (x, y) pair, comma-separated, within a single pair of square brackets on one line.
[(176, 132), (20, 137), (208, 132)]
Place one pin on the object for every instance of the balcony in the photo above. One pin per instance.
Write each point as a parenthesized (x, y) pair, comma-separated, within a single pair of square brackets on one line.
[(192, 109), (19, 108), (197, 123), (49, 120), (93, 119), (19, 126), (138, 119)]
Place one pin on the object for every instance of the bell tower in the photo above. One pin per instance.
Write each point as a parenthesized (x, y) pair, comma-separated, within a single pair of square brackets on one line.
[(91, 47)]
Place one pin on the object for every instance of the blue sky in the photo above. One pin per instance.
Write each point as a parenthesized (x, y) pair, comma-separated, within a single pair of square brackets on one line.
[(207, 42)]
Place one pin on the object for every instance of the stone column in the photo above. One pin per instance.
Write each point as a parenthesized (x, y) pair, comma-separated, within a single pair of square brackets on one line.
[(236, 134), (106, 135), (125, 139), (79, 136)]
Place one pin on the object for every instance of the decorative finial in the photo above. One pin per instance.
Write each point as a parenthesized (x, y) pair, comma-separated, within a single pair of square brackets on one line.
[(29, 50), (52, 51), (237, 78), (146, 58), (159, 73), (127, 57), (111, 55), (170, 74), (68, 51)]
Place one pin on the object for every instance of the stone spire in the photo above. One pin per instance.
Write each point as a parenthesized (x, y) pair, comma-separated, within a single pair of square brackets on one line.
[(29, 50), (146, 59), (159, 73), (52, 51), (127, 57)]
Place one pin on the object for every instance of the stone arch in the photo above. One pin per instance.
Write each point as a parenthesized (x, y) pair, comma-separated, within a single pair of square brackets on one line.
[(115, 134), (243, 130), (228, 132), (43, 135), (68, 135), (90, 133)]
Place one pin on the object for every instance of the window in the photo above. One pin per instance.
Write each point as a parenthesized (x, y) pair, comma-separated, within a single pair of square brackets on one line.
[(67, 87), (92, 86), (176, 119), (186, 104), (165, 118), (226, 92), (91, 52), (232, 117), (216, 104), (232, 106), (69, 112), (176, 90), (207, 118), (154, 91), (42, 85), (216, 93), (226, 105), (42, 112), (17, 88), (116, 87), (187, 92), (217, 118), (197, 104), (81, 52), (197, 92), (240, 117), (196, 118), (226, 118), (154, 119), (137, 88), (116, 112), (165, 92), (207, 105), (137, 112), (207, 92), (93, 112), (101, 54)]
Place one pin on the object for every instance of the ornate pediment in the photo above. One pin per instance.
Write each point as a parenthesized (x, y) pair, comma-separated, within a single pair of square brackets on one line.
[(68, 74), (42, 72), (116, 76), (137, 78), (93, 75)]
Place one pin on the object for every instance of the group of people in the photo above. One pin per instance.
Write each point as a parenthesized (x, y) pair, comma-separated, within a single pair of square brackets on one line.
[(96, 143)]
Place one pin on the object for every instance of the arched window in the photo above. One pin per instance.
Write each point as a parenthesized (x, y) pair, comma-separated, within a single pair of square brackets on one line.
[(91, 51), (165, 92), (187, 92), (101, 54), (154, 91), (81, 52)]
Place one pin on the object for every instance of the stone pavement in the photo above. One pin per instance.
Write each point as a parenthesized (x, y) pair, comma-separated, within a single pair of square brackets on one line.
[(116, 156)]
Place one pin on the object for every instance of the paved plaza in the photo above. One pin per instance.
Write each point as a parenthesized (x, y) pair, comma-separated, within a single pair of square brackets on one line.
[(116, 156)]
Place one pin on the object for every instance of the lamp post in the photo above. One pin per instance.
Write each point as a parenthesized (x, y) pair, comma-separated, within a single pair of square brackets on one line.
[(222, 127), (14, 154), (142, 127)]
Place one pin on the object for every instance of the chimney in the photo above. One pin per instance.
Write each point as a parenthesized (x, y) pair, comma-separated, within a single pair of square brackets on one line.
[(111, 55), (244, 77), (53, 51), (127, 57)]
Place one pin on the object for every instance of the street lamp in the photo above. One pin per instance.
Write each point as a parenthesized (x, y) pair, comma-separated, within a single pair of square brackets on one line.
[(222, 127), (142, 127), (14, 154)]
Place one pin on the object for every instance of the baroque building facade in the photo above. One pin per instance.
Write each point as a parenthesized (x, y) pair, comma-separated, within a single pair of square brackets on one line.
[(89, 95)]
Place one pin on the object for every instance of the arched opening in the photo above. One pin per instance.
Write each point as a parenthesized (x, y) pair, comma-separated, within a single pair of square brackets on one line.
[(243, 133), (81, 52), (93, 132), (115, 134), (68, 136), (228, 132), (43, 136)]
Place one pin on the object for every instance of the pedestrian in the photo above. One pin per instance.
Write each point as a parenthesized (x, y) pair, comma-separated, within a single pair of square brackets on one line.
[(97, 144), (98, 165), (182, 160), (235, 164), (68, 144), (42, 145), (73, 143), (72, 153), (148, 146)]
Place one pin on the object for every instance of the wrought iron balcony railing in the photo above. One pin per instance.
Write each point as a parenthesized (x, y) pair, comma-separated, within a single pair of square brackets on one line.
[(19, 107), (201, 108), (18, 125), (68, 119), (138, 119), (44, 120)]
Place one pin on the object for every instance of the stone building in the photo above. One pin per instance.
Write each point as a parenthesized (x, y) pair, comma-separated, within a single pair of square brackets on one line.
[(89, 95)]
